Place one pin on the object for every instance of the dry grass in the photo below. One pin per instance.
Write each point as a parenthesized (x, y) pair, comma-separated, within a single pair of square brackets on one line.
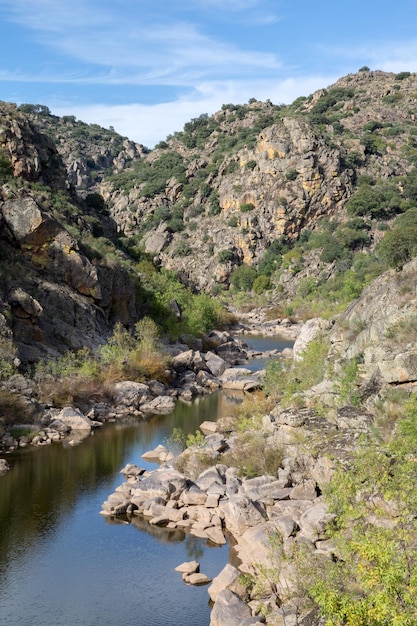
[(13, 410), (74, 391), (252, 456)]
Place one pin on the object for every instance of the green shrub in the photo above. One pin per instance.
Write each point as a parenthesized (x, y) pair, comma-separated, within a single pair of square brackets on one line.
[(332, 250), (272, 258), (381, 201), (373, 580), (373, 125), (225, 255), (291, 175), (204, 314), (252, 457), (13, 409), (409, 218), (410, 185), (398, 246), (6, 168), (261, 283), (242, 277), (247, 206), (232, 167), (306, 287), (402, 75), (182, 249), (283, 381)]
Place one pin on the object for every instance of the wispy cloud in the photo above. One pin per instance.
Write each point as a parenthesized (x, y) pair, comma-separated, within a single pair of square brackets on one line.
[(230, 5), (53, 15), (133, 49)]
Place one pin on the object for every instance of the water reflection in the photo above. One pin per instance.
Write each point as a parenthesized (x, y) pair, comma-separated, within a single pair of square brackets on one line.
[(54, 545), (50, 524)]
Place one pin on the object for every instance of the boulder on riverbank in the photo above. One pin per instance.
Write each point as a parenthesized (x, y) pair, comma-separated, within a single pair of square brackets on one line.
[(4, 466)]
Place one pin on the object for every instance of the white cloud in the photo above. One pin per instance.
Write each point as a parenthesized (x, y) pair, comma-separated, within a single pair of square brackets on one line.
[(389, 56), (149, 124), (54, 15)]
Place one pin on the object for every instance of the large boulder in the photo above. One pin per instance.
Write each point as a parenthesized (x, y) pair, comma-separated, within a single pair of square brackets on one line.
[(130, 393), (165, 482), (240, 513), (159, 406), (73, 419), (215, 364), (4, 466), (311, 329), (228, 578), (230, 610)]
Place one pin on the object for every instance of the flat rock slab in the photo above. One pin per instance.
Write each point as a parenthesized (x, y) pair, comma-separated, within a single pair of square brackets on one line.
[(160, 405), (155, 454), (208, 428), (188, 567), (132, 470), (197, 579)]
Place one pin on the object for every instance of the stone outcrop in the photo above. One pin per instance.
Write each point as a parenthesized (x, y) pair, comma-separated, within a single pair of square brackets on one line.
[(4, 466)]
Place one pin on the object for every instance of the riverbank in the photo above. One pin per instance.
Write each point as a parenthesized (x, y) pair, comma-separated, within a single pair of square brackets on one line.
[(192, 372), (50, 503)]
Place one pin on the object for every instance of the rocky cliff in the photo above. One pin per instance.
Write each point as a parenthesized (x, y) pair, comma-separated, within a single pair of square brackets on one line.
[(56, 293)]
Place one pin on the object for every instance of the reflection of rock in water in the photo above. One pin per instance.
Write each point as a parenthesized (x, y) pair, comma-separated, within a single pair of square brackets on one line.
[(163, 534), (231, 396)]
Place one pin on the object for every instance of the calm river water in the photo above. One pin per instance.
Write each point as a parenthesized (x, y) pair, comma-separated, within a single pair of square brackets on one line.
[(63, 564)]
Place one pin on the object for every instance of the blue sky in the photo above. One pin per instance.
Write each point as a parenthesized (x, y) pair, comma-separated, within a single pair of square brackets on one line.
[(148, 66)]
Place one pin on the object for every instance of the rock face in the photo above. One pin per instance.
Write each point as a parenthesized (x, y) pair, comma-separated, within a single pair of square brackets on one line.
[(251, 174), (279, 206), (379, 329), (57, 295)]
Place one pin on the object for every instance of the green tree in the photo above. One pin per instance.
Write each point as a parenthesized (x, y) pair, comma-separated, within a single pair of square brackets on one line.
[(261, 284)]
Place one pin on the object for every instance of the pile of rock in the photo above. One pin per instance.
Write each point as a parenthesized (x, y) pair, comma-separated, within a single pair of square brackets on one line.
[(218, 503), (191, 573)]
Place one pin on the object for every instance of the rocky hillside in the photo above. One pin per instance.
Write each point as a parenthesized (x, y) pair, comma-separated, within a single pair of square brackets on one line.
[(305, 202), (227, 188)]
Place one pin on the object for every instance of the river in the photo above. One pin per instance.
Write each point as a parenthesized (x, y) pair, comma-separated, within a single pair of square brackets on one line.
[(61, 563)]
